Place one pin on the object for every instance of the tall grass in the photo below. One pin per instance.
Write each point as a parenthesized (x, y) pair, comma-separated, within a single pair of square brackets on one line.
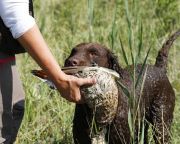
[(134, 115), (129, 28)]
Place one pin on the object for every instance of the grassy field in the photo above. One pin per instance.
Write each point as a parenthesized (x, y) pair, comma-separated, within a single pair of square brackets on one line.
[(65, 23)]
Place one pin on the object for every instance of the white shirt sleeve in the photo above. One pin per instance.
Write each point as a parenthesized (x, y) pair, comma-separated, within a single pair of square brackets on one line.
[(15, 15)]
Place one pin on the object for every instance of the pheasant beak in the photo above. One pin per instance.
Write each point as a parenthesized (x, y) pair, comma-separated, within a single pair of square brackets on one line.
[(39, 73)]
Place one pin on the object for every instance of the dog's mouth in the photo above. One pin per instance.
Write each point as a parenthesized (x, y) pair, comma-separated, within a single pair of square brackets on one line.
[(93, 64)]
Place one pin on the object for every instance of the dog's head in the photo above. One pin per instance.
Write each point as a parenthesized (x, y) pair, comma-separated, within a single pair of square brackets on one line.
[(88, 54)]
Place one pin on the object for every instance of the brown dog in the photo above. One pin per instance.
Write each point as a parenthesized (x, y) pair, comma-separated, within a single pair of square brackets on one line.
[(156, 102)]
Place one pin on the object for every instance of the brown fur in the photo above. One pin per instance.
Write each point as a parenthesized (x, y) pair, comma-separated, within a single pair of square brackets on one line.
[(156, 103)]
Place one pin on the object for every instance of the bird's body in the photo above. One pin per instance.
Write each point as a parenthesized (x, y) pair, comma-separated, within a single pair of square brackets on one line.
[(101, 98)]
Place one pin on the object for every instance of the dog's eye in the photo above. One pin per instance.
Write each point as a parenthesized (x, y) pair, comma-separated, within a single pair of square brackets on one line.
[(93, 51)]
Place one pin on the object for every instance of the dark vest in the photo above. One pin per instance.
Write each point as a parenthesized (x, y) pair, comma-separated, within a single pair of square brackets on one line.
[(8, 44)]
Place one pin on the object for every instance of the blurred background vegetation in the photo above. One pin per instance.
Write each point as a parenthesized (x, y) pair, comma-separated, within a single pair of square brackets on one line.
[(66, 23)]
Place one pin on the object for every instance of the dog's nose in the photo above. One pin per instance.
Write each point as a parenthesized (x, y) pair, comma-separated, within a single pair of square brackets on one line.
[(72, 62)]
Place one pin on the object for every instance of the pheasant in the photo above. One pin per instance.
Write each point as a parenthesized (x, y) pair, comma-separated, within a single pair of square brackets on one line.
[(101, 98)]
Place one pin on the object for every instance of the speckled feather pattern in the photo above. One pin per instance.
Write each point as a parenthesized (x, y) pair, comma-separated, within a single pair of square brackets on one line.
[(102, 97)]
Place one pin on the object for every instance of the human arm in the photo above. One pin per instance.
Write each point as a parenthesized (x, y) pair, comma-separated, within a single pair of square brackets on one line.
[(69, 86), (16, 16)]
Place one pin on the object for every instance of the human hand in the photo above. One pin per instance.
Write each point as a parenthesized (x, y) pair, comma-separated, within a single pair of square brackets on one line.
[(69, 87)]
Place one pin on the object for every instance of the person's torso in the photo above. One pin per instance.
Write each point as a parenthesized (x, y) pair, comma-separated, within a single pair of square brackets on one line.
[(8, 45)]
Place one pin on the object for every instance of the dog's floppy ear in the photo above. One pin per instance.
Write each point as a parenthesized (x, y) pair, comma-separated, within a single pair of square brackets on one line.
[(113, 63)]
